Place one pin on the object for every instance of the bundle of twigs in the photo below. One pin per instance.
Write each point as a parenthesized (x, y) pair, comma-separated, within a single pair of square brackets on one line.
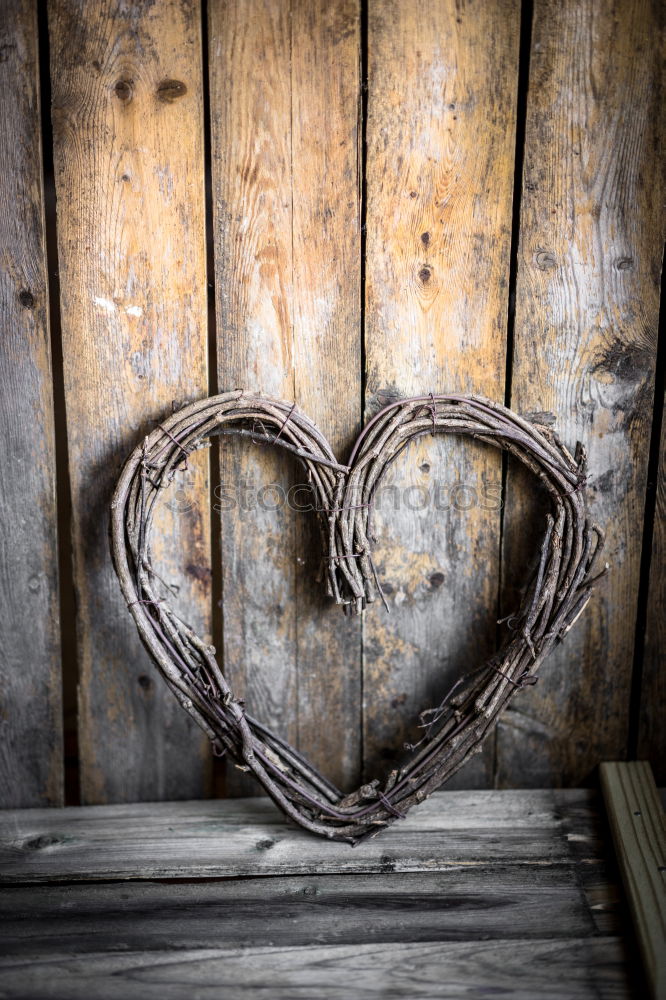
[(343, 498)]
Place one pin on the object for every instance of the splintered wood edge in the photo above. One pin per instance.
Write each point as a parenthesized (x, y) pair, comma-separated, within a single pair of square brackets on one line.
[(637, 824)]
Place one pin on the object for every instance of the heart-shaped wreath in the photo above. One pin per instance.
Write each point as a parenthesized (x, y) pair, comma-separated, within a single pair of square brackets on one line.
[(343, 494)]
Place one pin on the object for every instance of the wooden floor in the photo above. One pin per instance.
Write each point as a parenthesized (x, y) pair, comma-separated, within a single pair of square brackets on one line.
[(475, 894)]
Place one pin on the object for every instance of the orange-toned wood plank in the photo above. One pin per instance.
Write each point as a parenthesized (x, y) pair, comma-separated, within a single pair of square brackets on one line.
[(327, 351), (128, 149), (440, 133), (250, 94), (284, 104)]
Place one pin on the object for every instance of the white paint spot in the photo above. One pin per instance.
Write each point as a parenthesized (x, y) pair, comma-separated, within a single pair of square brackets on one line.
[(108, 305), (326, 307), (105, 304)]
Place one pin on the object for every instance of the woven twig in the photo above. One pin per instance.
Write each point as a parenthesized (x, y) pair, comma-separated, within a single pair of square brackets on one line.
[(344, 497)]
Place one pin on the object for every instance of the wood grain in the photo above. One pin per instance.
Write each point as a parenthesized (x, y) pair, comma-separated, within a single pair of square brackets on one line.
[(251, 155), (231, 838), (652, 731), (31, 754), (286, 200), (128, 150), (587, 299), (638, 826), (440, 164), (574, 968), (327, 352), (478, 892), (507, 903)]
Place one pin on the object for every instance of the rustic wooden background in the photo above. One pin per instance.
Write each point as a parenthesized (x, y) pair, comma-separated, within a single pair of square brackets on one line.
[(337, 202)]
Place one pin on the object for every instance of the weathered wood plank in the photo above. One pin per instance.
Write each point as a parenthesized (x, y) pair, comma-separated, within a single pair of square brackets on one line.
[(327, 353), (464, 905), (584, 826), (285, 184), (652, 731), (31, 754), (249, 44), (226, 839), (572, 968), (637, 823), (440, 139), (128, 149), (587, 300)]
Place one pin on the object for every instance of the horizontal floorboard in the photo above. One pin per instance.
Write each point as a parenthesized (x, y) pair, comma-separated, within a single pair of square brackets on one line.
[(571, 968), (220, 839), (475, 904)]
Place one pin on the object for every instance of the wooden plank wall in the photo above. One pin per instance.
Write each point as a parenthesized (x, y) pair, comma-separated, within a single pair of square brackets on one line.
[(468, 200), (651, 729), (31, 754), (440, 180), (587, 304), (286, 196), (126, 81)]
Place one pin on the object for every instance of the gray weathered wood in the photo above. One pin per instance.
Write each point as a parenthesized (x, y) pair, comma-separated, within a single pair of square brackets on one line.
[(440, 166), (476, 893), (31, 754), (587, 304), (637, 823), (586, 831), (502, 902), (567, 969), (652, 727), (129, 170), (229, 838)]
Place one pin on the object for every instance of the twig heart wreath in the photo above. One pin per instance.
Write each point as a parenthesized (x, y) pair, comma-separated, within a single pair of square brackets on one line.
[(555, 596)]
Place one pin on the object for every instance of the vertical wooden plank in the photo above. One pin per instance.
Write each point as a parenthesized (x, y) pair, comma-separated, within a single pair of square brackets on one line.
[(636, 819), (250, 96), (327, 351), (586, 321), (128, 148), (440, 134), (31, 758), (651, 730), (284, 100)]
